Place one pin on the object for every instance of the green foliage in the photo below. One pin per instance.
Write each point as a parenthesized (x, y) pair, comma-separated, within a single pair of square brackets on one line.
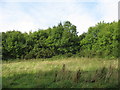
[(102, 40), (13, 43)]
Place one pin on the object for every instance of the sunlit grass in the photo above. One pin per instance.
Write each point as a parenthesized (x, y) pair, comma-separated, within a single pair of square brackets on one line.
[(35, 67)]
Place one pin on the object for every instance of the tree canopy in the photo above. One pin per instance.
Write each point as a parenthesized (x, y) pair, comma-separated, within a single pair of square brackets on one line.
[(102, 40)]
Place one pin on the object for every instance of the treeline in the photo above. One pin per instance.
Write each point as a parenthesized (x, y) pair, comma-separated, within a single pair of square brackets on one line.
[(100, 41)]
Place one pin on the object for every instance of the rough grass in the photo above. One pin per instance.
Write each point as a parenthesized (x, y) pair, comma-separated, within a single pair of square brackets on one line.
[(46, 73)]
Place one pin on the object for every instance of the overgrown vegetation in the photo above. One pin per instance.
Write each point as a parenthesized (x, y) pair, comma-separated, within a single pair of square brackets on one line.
[(100, 41), (60, 73), (59, 58)]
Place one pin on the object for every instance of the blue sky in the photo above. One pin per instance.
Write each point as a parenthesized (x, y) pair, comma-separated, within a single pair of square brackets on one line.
[(32, 15)]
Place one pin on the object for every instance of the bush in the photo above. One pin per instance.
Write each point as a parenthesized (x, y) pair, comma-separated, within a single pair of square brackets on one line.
[(69, 55), (45, 53), (29, 56)]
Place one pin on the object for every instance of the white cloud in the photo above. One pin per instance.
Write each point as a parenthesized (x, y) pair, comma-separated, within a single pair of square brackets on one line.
[(14, 16), (108, 10), (82, 22), (59, 0), (48, 0)]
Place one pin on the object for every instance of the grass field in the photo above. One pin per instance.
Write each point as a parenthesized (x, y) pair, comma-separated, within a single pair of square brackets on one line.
[(60, 73)]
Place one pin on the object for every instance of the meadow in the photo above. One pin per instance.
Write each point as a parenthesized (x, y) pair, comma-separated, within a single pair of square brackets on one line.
[(72, 72)]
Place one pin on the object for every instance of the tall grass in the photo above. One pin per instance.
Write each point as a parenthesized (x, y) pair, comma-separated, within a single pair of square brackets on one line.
[(60, 73)]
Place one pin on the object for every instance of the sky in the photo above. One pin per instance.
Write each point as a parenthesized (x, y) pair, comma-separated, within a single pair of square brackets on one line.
[(31, 15)]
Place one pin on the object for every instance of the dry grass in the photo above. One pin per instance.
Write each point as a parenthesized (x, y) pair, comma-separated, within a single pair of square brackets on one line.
[(71, 69)]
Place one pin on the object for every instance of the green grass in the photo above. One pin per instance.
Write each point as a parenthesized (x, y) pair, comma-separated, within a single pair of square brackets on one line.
[(40, 73)]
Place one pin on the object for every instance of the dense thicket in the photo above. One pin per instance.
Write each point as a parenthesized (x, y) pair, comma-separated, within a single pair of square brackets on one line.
[(100, 41)]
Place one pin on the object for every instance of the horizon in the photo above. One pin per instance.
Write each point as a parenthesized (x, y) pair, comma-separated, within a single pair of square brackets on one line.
[(31, 16)]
